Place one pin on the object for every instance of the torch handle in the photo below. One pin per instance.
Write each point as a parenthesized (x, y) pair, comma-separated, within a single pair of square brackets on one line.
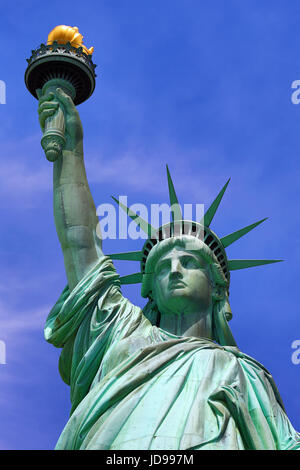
[(53, 140)]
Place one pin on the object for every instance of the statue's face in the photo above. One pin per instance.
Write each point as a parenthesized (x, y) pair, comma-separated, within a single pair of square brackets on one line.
[(181, 282)]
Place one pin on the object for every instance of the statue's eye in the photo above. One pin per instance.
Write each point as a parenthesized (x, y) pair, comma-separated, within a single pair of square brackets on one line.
[(162, 270), (190, 263)]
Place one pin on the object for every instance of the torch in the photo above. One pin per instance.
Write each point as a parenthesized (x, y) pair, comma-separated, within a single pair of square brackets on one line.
[(66, 63)]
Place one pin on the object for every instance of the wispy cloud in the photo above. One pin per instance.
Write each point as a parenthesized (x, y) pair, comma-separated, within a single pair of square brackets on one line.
[(146, 171), (22, 175), (28, 177), (20, 179), (18, 324)]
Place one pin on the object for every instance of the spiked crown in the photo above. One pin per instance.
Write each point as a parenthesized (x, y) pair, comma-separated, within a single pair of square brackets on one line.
[(178, 227)]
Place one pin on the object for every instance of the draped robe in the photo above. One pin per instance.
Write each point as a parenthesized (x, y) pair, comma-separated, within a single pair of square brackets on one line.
[(135, 386)]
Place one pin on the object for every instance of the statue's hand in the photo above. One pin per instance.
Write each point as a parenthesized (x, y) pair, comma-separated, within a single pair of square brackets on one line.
[(49, 104)]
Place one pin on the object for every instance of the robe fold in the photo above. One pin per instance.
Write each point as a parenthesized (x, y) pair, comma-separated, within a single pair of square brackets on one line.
[(136, 387)]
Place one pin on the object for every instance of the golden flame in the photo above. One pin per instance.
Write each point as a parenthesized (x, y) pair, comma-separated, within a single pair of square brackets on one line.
[(63, 34)]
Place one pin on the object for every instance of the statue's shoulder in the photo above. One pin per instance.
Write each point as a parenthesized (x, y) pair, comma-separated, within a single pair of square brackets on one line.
[(251, 368), (245, 357)]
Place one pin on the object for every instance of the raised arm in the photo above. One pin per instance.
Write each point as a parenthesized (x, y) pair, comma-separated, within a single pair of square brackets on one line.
[(74, 208)]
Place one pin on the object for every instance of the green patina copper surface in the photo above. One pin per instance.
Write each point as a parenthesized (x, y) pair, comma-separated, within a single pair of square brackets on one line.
[(170, 376)]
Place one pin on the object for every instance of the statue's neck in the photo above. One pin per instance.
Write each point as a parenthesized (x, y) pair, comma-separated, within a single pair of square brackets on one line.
[(195, 324)]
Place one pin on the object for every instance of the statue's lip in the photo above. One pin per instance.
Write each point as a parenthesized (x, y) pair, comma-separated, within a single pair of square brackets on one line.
[(176, 284)]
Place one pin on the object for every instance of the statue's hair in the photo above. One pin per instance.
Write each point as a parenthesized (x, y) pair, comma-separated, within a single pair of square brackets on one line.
[(221, 308)]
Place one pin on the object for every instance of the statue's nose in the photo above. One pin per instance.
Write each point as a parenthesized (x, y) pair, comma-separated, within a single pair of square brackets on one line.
[(176, 269)]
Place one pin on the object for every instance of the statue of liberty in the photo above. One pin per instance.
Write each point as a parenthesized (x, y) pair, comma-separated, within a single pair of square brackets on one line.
[(169, 376)]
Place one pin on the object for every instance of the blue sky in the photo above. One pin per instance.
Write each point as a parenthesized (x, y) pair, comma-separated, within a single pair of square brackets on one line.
[(203, 86)]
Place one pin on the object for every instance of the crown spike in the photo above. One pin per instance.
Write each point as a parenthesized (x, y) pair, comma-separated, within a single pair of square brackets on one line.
[(210, 213), (249, 263), (131, 278), (176, 210), (232, 237), (130, 256), (145, 226)]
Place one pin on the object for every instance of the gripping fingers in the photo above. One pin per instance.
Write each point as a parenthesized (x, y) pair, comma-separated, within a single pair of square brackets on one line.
[(46, 109), (47, 105), (47, 97), (66, 101), (44, 114)]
